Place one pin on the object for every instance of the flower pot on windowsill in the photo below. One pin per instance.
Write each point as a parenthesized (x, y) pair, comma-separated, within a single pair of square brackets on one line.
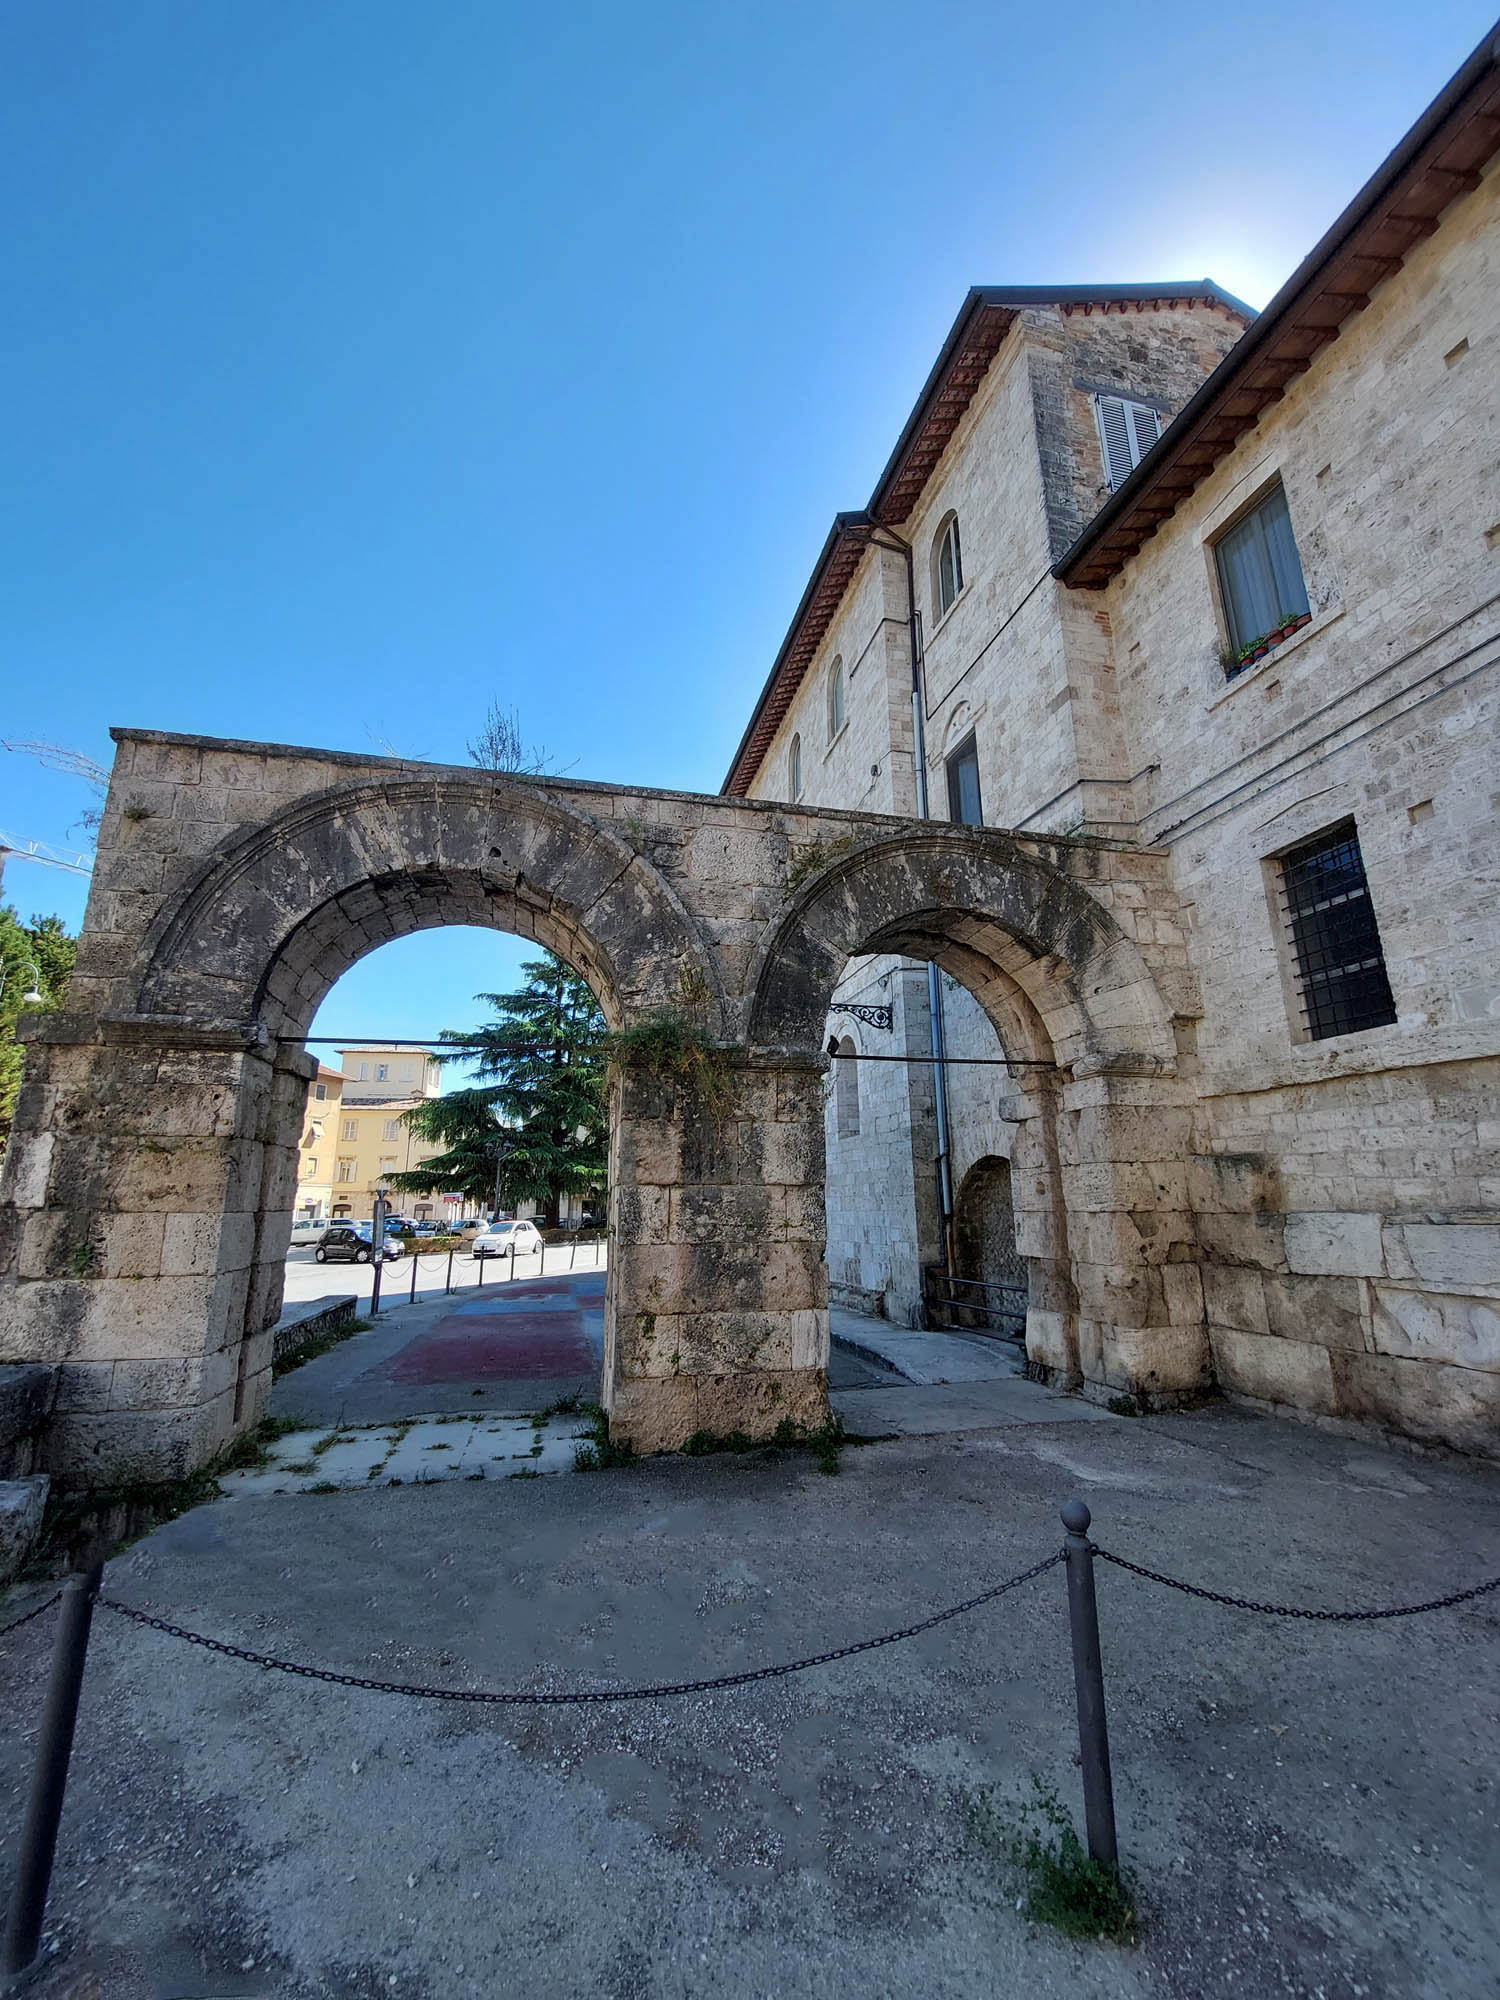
[(1259, 653)]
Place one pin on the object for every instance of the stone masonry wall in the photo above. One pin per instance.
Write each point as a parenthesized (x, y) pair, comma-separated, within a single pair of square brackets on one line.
[(1349, 1195)]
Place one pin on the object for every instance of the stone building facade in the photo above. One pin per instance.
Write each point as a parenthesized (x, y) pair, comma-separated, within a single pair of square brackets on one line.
[(1125, 470)]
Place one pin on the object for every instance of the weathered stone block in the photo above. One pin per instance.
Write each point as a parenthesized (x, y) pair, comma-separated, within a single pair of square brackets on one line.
[(1423, 1326), (1328, 1310), (1336, 1244), (1273, 1371), (1234, 1296), (22, 1505), (1422, 1398), (1455, 1256)]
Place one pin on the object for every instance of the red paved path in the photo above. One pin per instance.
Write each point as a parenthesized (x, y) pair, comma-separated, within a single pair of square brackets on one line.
[(547, 1329)]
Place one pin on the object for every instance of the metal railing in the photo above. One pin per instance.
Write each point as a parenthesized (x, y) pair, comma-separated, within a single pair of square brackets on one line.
[(995, 1308)]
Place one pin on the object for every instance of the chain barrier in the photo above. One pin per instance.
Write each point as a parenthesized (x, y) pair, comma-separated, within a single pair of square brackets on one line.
[(27, 1616), (1296, 1610), (582, 1696)]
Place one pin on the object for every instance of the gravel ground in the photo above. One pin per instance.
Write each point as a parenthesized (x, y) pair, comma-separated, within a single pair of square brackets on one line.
[(1305, 1809)]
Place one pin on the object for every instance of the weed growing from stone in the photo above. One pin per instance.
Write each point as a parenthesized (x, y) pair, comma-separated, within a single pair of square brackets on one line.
[(325, 1343), (598, 1451), (1064, 1886), (826, 1442), (670, 1048)]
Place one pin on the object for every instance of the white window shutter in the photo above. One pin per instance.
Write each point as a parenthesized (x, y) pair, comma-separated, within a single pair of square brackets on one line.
[(1147, 428), (1127, 432), (1115, 436)]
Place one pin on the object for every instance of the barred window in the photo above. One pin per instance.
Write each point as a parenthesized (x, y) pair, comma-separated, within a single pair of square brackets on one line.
[(1334, 937)]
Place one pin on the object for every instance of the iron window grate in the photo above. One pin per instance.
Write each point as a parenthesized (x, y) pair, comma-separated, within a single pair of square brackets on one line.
[(1334, 937)]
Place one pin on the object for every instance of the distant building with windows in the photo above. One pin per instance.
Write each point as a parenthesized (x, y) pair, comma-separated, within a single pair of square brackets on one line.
[(354, 1134), (1147, 570)]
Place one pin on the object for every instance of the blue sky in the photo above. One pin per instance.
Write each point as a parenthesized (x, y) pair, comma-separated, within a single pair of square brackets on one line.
[(365, 362)]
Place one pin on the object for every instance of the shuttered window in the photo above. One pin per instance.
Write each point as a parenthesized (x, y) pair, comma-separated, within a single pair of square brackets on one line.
[(1127, 432), (950, 566)]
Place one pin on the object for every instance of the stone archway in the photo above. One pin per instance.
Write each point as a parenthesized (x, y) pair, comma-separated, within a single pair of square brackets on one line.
[(1114, 1296), (148, 1185)]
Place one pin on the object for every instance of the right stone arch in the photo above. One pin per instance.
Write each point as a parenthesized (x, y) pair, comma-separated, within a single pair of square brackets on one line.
[(1099, 1166)]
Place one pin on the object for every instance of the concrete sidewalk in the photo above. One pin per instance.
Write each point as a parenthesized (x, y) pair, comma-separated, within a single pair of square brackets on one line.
[(1307, 1809)]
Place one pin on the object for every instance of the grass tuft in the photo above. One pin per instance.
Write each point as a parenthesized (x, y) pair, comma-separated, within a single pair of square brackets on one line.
[(1064, 1886)]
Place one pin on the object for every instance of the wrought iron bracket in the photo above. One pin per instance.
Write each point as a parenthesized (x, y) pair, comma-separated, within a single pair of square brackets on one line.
[(873, 1017)]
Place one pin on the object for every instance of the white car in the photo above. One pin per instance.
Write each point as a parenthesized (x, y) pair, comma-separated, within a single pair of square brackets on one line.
[(507, 1239), (308, 1232)]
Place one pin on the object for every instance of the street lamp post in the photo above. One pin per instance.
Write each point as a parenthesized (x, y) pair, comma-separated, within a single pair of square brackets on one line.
[(33, 996)]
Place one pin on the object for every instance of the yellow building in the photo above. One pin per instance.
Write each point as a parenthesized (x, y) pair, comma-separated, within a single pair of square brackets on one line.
[(370, 1140), (316, 1168)]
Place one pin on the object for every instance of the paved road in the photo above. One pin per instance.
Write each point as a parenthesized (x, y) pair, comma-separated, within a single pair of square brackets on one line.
[(307, 1279), (509, 1347), (1306, 1809)]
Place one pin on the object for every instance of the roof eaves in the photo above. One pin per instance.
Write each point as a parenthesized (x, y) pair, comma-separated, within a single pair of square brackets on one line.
[(1299, 294)]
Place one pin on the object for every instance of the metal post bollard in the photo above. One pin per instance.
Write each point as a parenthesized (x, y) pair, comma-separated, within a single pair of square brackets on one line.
[(482, 1260), (1088, 1680), (28, 1903), (378, 1260), (416, 1264), (448, 1281)]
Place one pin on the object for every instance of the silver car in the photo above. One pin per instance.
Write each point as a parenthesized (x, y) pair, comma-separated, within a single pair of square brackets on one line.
[(507, 1239)]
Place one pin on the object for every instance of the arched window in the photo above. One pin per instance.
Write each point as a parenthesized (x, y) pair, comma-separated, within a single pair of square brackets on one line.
[(947, 565), (794, 769), (835, 698), (846, 1091)]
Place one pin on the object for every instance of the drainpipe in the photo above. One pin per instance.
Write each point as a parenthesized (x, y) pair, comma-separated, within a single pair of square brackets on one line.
[(870, 534)]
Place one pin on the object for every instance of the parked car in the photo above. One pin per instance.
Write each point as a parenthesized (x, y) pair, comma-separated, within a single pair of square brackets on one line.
[(309, 1229), (397, 1225), (345, 1243), (505, 1239)]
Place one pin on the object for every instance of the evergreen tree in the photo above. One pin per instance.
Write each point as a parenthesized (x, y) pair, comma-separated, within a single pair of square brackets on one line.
[(515, 1135), (45, 945)]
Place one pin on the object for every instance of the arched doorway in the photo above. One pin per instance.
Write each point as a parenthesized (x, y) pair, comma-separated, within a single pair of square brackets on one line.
[(990, 1293), (1085, 1033)]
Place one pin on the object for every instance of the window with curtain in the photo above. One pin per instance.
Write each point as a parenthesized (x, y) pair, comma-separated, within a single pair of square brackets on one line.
[(964, 803), (835, 699), (1260, 574), (1334, 936), (1127, 432), (846, 1091), (948, 564), (794, 769)]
